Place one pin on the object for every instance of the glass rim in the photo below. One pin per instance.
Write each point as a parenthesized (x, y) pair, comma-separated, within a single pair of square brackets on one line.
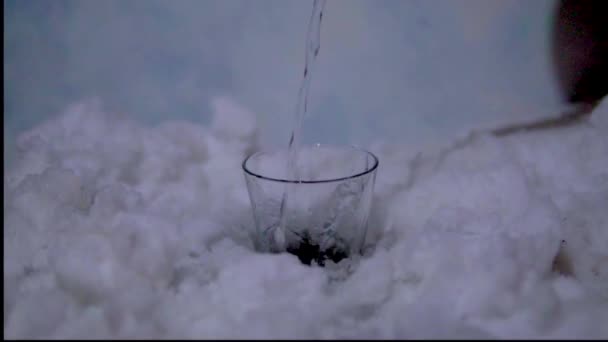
[(374, 166)]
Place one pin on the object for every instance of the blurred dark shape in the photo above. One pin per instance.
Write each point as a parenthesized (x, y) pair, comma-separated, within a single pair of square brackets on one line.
[(580, 58), (580, 49)]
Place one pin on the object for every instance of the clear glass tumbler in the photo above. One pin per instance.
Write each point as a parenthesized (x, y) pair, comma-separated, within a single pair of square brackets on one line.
[(325, 207)]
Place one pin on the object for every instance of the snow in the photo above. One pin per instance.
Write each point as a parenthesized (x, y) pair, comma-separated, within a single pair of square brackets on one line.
[(113, 229)]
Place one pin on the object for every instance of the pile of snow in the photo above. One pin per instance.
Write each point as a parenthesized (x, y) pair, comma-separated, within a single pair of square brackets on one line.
[(117, 230)]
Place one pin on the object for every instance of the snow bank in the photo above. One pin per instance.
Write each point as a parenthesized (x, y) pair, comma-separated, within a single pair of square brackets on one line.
[(117, 230)]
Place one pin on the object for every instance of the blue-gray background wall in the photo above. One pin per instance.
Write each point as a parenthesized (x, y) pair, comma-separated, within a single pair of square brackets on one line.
[(409, 71)]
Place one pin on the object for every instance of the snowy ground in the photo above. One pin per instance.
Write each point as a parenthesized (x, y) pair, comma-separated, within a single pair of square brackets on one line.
[(117, 230)]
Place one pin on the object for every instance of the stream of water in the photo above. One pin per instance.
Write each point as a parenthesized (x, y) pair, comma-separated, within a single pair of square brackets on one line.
[(313, 45)]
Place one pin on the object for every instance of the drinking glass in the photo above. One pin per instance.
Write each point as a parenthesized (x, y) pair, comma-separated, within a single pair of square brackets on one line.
[(319, 213)]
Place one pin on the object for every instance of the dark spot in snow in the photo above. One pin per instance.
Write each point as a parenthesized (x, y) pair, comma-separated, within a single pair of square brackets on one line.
[(193, 255), (562, 263), (307, 250)]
